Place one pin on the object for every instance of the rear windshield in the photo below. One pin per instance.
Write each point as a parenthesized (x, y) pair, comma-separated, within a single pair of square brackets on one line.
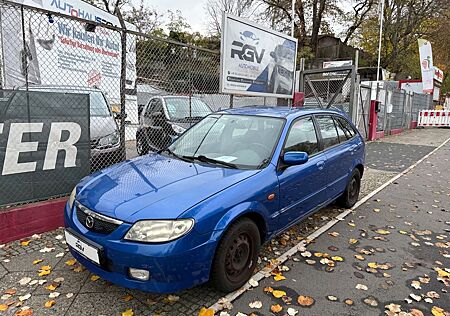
[(179, 108)]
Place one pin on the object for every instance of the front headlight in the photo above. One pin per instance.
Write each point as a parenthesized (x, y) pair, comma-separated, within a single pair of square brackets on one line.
[(178, 129), (110, 140), (72, 197), (159, 230)]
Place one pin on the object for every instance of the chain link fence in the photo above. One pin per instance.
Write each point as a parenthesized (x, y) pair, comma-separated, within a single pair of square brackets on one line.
[(143, 91)]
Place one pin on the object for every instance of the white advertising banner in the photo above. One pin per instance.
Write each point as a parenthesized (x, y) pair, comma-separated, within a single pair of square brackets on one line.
[(60, 51), (426, 65), (255, 60)]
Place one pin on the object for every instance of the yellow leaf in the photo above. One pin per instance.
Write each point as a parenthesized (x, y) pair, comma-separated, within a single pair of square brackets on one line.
[(337, 258), (79, 269), (24, 312), (128, 312), (382, 232), (44, 272), (71, 262), (37, 261), (376, 210), (95, 278), (353, 241), (279, 277), (334, 234), (51, 287), (3, 307), (206, 312), (359, 257), (276, 308), (372, 265), (46, 268), (437, 311), (49, 304), (442, 273), (128, 298), (318, 254), (278, 293), (25, 242), (403, 232), (351, 224)]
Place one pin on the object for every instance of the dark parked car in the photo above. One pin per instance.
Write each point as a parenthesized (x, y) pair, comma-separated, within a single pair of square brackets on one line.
[(165, 118)]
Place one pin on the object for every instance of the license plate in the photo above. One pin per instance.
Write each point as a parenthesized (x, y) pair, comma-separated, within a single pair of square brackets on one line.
[(82, 247)]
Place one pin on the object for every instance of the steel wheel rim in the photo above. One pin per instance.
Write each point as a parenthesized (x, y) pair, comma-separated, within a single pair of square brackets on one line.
[(238, 257)]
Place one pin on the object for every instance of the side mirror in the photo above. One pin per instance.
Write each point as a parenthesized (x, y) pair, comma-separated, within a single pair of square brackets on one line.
[(293, 158)]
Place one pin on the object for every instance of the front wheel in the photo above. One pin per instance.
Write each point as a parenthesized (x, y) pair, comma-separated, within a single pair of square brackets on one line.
[(236, 256), (351, 193)]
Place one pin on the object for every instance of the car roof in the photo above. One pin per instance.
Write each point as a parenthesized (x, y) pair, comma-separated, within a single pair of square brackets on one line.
[(278, 111), (61, 88)]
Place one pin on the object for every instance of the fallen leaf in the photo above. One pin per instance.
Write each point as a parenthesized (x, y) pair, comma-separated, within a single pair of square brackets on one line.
[(71, 262), (37, 261), (46, 249), (24, 297), (44, 272), (310, 262), (394, 308), (416, 312), (25, 242), (371, 301), (268, 289), (305, 254), (24, 281), (24, 312), (382, 231), (278, 293), (69, 295), (279, 277), (416, 284), (52, 287), (128, 298), (94, 277), (276, 308), (305, 301), (332, 298), (253, 282), (348, 302), (128, 312), (415, 297), (376, 210), (3, 307), (292, 312), (437, 311), (353, 241), (361, 287), (172, 298), (49, 304), (59, 255), (351, 224), (359, 257), (255, 304), (337, 258), (206, 312), (10, 291), (54, 295), (334, 234), (79, 269)]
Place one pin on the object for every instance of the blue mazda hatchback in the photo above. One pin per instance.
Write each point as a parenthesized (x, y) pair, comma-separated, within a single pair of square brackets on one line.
[(200, 209)]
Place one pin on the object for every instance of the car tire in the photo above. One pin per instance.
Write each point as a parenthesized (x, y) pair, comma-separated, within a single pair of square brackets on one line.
[(351, 193), (236, 256), (142, 147)]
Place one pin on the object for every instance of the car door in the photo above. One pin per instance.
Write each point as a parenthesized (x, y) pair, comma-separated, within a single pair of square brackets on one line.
[(302, 187), (337, 167)]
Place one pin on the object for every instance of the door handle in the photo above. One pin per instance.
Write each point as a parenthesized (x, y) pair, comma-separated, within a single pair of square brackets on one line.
[(352, 149), (320, 164)]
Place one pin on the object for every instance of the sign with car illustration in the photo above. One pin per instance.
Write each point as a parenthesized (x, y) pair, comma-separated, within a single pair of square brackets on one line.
[(255, 60)]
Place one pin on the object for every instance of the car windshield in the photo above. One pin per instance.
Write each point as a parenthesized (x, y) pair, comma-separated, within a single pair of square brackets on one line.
[(98, 104), (241, 141), (178, 108)]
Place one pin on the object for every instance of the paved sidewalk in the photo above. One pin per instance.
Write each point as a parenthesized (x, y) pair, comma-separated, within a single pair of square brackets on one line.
[(81, 293), (391, 254)]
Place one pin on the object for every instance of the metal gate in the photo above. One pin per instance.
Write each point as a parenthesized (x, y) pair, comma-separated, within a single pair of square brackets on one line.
[(363, 110), (330, 88)]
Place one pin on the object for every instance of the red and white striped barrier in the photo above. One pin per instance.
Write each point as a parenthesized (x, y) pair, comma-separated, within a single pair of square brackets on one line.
[(434, 118)]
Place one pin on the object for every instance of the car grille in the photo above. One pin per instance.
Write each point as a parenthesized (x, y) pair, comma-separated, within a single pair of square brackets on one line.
[(100, 226)]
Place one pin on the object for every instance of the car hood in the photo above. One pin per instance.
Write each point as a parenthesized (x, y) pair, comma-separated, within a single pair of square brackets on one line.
[(154, 187), (102, 126)]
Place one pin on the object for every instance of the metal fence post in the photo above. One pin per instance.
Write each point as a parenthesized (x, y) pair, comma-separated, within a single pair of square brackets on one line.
[(123, 73), (352, 94)]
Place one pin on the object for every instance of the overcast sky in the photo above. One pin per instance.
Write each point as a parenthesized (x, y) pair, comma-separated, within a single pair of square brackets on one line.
[(192, 10)]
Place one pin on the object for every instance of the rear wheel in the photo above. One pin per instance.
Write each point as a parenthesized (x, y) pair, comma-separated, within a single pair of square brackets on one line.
[(351, 193), (236, 256)]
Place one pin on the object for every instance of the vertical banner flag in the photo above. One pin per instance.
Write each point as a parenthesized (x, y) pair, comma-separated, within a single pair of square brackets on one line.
[(426, 65)]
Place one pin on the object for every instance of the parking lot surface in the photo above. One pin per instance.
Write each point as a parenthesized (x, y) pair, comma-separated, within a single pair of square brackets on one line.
[(417, 202)]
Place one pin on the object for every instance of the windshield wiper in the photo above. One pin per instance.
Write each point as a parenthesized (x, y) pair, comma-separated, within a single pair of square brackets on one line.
[(170, 152), (203, 158)]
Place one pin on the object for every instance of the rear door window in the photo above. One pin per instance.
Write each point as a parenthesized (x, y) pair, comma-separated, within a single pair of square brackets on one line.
[(347, 127), (341, 133), (328, 131)]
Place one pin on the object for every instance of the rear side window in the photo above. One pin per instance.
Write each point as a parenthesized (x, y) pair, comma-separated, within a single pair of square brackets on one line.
[(346, 126), (302, 137), (342, 136), (328, 131)]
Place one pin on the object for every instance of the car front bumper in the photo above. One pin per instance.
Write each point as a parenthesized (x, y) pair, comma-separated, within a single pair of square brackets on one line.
[(173, 266)]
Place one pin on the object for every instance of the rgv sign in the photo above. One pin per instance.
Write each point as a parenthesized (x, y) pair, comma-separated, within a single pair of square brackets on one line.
[(44, 144)]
